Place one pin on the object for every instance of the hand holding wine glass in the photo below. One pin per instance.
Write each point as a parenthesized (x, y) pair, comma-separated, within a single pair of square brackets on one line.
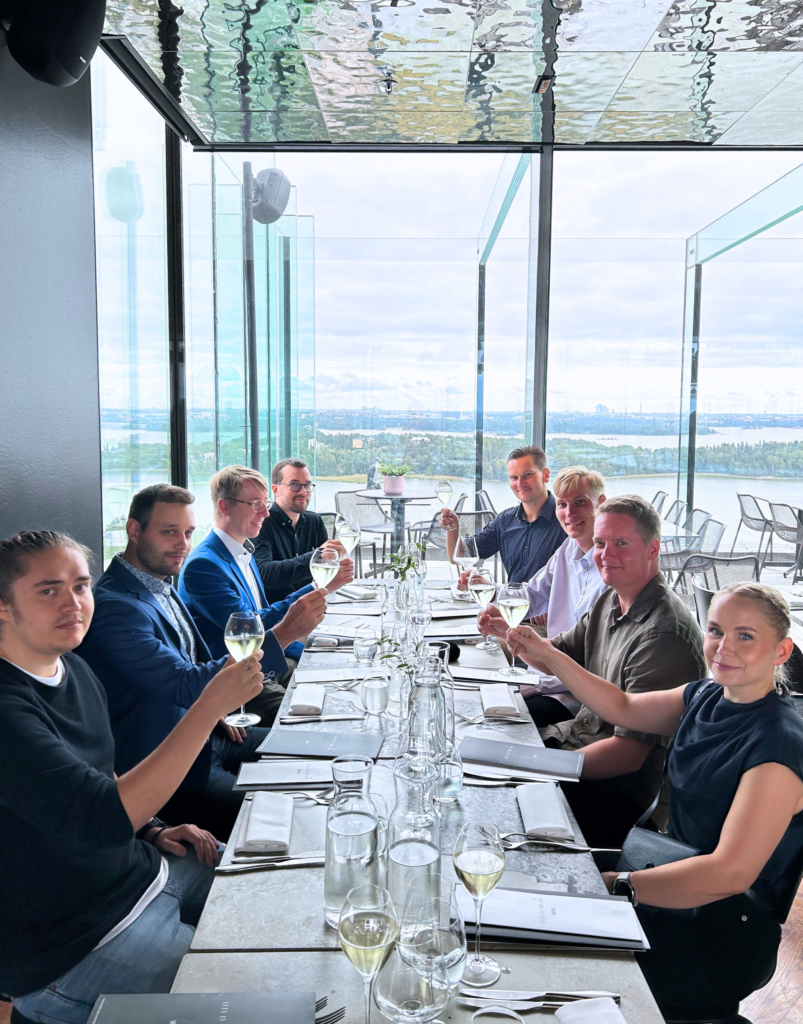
[(348, 533), (244, 635), (367, 931), (324, 565), (482, 588), (444, 491), (479, 862)]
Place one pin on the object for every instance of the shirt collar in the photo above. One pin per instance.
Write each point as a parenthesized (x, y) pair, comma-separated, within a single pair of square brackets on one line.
[(576, 554), (646, 600), (242, 552), (152, 583), (547, 510)]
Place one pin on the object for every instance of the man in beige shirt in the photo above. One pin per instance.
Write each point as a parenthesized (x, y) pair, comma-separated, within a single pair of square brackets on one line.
[(638, 635)]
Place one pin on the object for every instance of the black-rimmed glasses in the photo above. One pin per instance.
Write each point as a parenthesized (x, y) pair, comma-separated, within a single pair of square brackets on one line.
[(296, 487)]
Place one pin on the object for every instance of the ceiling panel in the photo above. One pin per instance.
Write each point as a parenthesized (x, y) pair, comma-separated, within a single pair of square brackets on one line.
[(447, 71)]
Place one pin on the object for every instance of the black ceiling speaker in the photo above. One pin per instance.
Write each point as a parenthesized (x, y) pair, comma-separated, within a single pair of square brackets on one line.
[(54, 40)]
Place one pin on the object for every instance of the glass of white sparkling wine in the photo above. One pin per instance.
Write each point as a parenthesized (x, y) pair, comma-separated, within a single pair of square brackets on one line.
[(513, 602), (324, 566), (243, 636), (479, 862), (348, 533), (482, 588), (367, 931), (444, 491)]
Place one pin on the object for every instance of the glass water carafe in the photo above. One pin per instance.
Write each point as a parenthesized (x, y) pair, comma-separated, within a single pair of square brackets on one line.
[(351, 835), (413, 827), (423, 736)]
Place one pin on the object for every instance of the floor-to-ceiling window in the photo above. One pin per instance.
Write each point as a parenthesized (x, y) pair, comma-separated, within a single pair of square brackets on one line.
[(132, 305)]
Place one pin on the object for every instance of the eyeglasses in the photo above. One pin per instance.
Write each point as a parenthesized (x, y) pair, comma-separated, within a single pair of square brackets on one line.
[(257, 506), (296, 487)]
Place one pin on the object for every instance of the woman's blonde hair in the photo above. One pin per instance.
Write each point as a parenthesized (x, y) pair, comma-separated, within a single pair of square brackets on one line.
[(774, 608)]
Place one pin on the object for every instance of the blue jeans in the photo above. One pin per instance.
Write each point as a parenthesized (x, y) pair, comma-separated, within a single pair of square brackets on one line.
[(143, 958)]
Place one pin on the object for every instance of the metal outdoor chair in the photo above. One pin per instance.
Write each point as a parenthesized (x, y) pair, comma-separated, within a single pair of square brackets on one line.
[(787, 524), (430, 532), (675, 511), (695, 521), (471, 523), (706, 542), (329, 522), (712, 573), (754, 519), (658, 501), (484, 499), (369, 514)]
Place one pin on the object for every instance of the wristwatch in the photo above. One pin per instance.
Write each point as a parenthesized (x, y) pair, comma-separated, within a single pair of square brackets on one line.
[(622, 887)]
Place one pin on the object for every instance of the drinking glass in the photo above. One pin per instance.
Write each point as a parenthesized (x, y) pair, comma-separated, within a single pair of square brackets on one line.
[(349, 533), (513, 601), (466, 555), (482, 588), (243, 636), (374, 691), (479, 862), (382, 818), (420, 619), (432, 926), (412, 995), (366, 645), (444, 491), (367, 931), (324, 565)]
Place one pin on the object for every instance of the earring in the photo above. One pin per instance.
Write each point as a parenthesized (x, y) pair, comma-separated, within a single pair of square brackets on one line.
[(780, 689)]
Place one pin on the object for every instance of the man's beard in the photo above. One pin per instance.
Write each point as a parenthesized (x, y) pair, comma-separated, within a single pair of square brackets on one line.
[(155, 562)]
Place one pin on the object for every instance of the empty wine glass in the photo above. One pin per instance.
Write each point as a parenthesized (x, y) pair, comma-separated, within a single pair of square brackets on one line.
[(444, 491), (479, 862), (466, 555), (513, 602), (243, 636), (374, 691), (410, 994), (367, 931), (482, 588), (324, 566), (420, 619)]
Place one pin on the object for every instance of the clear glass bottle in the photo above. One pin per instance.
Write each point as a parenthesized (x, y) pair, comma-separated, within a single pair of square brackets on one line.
[(423, 736), (351, 835), (414, 830), (450, 784)]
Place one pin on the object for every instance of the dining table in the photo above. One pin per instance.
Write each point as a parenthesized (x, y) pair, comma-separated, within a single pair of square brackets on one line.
[(265, 930)]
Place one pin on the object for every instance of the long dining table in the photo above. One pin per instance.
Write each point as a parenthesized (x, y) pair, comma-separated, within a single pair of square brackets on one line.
[(265, 930)]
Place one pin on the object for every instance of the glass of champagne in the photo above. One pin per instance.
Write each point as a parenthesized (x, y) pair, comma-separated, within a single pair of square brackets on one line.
[(444, 491), (465, 554), (513, 602), (348, 533), (479, 862), (483, 589), (243, 636), (367, 931), (324, 566)]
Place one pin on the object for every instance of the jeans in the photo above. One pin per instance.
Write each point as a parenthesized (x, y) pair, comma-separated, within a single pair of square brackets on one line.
[(143, 958)]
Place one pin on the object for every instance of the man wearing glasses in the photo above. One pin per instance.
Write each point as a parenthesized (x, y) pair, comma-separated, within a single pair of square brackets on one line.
[(290, 532), (220, 576)]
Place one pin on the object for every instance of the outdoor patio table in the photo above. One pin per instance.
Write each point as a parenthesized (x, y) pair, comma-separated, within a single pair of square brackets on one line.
[(397, 510)]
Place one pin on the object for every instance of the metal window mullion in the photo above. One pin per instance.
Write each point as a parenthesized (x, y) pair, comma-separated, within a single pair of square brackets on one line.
[(179, 469)]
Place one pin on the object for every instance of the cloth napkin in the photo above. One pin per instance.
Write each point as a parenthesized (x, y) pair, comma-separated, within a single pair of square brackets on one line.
[(542, 810), (359, 593), (497, 699), (590, 1011), (267, 823), (307, 699)]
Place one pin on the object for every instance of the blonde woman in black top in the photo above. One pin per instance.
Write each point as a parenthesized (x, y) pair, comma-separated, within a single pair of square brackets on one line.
[(736, 794)]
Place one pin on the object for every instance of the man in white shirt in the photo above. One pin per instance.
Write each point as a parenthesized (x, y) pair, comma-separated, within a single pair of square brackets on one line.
[(564, 590)]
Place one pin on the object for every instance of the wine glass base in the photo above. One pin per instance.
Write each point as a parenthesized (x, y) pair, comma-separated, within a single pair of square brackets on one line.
[(488, 645), (489, 973), (512, 671), (242, 721)]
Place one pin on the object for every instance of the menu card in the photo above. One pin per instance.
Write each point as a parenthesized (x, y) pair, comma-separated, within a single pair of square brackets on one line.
[(285, 774), (515, 757), (308, 743), (205, 1008)]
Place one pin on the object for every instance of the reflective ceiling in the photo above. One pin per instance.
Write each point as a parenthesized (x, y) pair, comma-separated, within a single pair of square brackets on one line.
[(716, 72)]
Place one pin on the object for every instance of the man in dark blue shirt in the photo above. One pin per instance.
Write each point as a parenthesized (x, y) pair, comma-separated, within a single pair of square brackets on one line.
[(526, 535), (290, 532)]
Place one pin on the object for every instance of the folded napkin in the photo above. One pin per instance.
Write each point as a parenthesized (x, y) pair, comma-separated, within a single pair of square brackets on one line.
[(542, 810), (324, 641), (590, 1011), (267, 823), (359, 593), (307, 699), (497, 699)]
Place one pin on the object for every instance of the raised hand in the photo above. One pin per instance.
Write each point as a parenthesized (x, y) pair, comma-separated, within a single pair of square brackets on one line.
[(491, 623), (234, 685), (523, 642), (462, 580), (345, 574), (302, 617), (448, 520)]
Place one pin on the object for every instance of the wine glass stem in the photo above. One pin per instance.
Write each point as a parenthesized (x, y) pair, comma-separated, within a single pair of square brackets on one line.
[(367, 990), (477, 914), (242, 709)]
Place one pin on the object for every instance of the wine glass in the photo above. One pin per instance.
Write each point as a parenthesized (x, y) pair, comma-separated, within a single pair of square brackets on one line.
[(349, 533), (513, 601), (444, 491), (479, 862), (367, 931), (243, 636), (324, 566), (431, 925), (421, 618), (410, 994), (374, 692), (466, 555), (483, 589)]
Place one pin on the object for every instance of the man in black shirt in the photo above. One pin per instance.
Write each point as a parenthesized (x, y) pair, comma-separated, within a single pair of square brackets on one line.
[(97, 895), (290, 532)]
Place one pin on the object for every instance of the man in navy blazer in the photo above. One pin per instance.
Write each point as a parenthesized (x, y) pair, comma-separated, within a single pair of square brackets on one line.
[(153, 662), (221, 577)]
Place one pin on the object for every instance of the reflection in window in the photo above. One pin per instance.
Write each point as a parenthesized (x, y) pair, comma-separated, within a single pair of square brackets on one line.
[(132, 308)]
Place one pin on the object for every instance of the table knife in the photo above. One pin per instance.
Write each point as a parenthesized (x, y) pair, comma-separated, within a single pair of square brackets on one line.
[(295, 719), (273, 858), (510, 1004), (569, 996), (291, 862)]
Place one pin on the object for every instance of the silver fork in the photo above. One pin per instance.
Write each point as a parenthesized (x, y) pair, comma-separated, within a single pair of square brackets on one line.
[(321, 1003), (539, 841), (333, 1017), (349, 684), (324, 798)]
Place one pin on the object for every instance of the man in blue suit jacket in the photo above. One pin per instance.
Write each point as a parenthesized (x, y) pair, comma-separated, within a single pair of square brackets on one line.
[(221, 577), (153, 662)]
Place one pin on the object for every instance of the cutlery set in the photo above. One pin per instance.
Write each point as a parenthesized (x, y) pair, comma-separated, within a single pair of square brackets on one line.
[(525, 1002)]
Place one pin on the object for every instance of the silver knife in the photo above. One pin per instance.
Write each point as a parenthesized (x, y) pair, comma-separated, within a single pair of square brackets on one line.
[(295, 719), (524, 995), (291, 862), (510, 1004), (272, 858)]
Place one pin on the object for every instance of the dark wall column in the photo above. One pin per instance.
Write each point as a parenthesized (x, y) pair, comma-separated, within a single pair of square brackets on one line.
[(49, 399)]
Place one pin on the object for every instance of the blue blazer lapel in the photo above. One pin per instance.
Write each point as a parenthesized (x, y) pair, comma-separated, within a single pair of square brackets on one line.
[(223, 552)]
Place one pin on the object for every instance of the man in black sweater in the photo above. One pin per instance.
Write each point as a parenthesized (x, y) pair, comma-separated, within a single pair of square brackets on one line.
[(97, 895), (290, 532)]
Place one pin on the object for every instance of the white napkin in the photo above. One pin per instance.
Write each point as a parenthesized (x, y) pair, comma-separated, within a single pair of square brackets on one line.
[(266, 826), (307, 699), (359, 593), (497, 699), (590, 1011), (542, 810)]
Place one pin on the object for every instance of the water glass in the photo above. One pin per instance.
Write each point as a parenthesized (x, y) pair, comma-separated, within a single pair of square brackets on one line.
[(366, 645), (411, 995), (450, 784), (382, 816), (374, 691)]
